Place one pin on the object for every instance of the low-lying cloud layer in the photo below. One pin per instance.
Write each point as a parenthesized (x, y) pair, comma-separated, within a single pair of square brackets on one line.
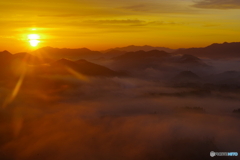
[(114, 118)]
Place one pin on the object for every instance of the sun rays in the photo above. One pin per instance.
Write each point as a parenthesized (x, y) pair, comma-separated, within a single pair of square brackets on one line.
[(15, 90)]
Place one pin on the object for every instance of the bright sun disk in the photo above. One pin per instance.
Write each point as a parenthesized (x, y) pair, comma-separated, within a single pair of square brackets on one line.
[(33, 39), (34, 42)]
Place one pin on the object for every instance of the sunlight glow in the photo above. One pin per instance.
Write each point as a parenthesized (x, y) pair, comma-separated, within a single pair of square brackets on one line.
[(33, 39), (77, 74), (33, 36), (34, 42)]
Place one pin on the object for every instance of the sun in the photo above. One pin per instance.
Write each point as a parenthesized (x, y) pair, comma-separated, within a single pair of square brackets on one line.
[(33, 39)]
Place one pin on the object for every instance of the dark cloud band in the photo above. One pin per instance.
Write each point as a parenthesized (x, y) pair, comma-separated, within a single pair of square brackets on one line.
[(218, 4)]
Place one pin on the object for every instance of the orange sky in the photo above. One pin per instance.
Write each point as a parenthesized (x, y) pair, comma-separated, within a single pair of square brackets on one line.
[(102, 24)]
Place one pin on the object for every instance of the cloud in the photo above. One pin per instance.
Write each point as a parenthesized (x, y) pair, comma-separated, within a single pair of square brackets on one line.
[(60, 15), (218, 4), (127, 22), (116, 128), (115, 22), (60, 117), (140, 7), (158, 7)]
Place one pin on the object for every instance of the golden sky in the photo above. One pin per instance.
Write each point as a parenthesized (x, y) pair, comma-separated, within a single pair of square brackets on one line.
[(103, 24)]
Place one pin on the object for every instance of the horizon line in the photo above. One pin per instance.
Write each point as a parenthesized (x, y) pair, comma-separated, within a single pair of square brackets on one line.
[(116, 47)]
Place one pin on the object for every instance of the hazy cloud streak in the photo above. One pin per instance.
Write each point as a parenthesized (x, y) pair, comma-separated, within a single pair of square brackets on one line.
[(218, 4)]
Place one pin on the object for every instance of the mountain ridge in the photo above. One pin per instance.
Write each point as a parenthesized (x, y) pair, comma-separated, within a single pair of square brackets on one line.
[(134, 48), (85, 67), (214, 51)]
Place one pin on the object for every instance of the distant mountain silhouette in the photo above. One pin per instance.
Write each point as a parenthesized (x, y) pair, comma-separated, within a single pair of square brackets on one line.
[(31, 59), (134, 48), (113, 53), (186, 58), (140, 60), (85, 67), (143, 55), (5, 57), (190, 60), (5, 63), (73, 54), (228, 77), (218, 51), (10, 63), (159, 60), (187, 75), (186, 78)]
